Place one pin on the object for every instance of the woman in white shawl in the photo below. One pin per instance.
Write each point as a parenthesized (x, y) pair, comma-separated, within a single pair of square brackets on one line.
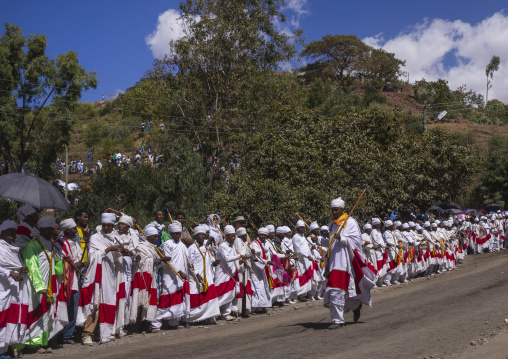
[(213, 221)]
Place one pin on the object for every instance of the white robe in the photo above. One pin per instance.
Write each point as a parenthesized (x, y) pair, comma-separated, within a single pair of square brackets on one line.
[(304, 264), (262, 296)]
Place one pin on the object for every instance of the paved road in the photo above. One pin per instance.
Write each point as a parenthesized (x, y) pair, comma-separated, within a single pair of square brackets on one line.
[(440, 316)]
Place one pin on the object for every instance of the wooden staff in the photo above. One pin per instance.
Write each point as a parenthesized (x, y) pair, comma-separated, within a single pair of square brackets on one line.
[(247, 265), (262, 219), (169, 214), (69, 261), (170, 266), (290, 222), (251, 222)]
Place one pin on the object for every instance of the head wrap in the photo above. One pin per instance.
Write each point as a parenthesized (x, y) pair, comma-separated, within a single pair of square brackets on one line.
[(405, 226), (418, 227), (200, 229), (397, 224), (388, 223), (426, 224), (314, 225), (127, 220), (24, 211), (150, 231), (46, 222), (411, 224), (338, 203), (229, 229), (375, 221), (67, 224), (286, 229), (8, 224), (325, 228), (434, 225), (300, 223), (108, 218), (367, 226), (175, 227), (270, 228), (241, 231), (437, 221), (278, 230), (263, 230)]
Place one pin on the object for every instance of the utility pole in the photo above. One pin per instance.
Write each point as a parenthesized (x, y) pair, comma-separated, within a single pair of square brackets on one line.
[(66, 171), (424, 119)]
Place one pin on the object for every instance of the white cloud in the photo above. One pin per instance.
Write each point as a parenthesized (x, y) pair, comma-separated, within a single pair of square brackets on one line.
[(169, 27), (454, 50)]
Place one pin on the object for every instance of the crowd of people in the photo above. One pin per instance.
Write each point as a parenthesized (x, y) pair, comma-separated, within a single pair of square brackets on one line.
[(65, 282)]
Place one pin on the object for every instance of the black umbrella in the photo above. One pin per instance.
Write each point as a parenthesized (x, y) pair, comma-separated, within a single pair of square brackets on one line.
[(492, 207), (449, 205), (453, 211), (436, 209)]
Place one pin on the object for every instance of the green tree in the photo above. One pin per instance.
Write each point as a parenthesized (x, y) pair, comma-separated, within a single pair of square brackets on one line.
[(492, 67), (30, 130)]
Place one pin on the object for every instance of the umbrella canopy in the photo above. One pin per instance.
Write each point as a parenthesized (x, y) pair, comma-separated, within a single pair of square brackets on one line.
[(32, 190), (453, 211), (492, 207), (436, 209), (449, 205)]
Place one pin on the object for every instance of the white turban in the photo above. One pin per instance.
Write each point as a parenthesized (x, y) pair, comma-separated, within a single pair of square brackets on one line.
[(426, 224), (24, 211), (67, 224), (175, 227), (241, 231), (8, 224), (434, 225), (150, 231), (375, 221), (127, 220), (270, 228), (200, 229), (263, 230), (286, 229), (229, 229), (367, 226), (108, 218), (314, 225), (388, 223), (397, 224), (338, 203), (405, 226), (325, 228), (437, 221), (46, 222), (418, 227), (411, 224), (300, 223)]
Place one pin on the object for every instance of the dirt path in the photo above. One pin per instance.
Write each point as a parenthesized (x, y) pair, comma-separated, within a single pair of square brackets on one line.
[(458, 314)]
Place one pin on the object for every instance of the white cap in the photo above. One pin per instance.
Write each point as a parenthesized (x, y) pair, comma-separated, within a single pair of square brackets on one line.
[(108, 218), (338, 203), (271, 228), (325, 228), (388, 223), (46, 222), (367, 226), (263, 230), (150, 231), (241, 231), (397, 224), (67, 224), (314, 225), (229, 229), (375, 221), (8, 224), (175, 227), (405, 226), (127, 220), (300, 223)]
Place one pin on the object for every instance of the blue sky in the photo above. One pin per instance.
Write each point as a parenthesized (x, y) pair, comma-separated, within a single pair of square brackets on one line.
[(439, 39)]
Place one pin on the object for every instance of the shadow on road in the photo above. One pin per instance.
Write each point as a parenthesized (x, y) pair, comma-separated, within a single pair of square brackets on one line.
[(319, 325)]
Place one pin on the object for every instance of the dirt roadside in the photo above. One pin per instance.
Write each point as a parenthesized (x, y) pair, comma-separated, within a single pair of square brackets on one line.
[(458, 314)]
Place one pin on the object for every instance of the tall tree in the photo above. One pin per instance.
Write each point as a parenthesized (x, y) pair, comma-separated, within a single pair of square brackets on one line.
[(492, 67), (30, 130)]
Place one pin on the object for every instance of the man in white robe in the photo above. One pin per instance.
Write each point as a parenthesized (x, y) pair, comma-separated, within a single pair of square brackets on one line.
[(243, 301), (27, 229), (286, 245), (102, 296), (393, 270), (304, 262), (349, 278), (203, 295), (14, 293), (261, 282), (174, 301), (226, 273), (379, 246)]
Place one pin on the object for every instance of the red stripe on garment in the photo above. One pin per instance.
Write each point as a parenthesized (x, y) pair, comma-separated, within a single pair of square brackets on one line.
[(169, 300), (248, 288), (107, 313), (305, 277), (121, 293), (15, 314), (85, 297), (392, 265), (358, 265), (197, 300), (138, 281), (22, 230), (39, 311), (226, 287), (338, 279), (380, 264)]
